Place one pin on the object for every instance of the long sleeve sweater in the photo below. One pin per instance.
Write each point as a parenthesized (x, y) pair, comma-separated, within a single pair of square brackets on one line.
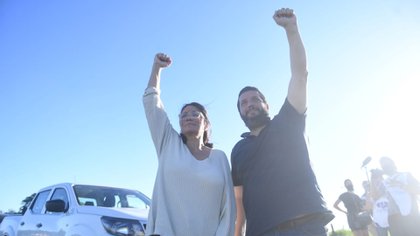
[(190, 196)]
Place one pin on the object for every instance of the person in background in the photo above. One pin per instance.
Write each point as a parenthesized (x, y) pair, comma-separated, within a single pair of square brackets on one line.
[(380, 203), (402, 191), (193, 191), (275, 187), (366, 194), (367, 202), (354, 204)]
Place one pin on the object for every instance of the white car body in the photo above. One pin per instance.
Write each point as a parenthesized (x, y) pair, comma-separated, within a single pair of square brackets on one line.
[(81, 210)]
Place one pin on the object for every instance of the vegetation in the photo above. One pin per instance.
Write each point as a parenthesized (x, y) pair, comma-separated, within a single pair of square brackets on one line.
[(341, 232), (24, 206), (25, 203)]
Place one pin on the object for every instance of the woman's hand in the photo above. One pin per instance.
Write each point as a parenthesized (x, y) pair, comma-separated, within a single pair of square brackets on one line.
[(162, 60)]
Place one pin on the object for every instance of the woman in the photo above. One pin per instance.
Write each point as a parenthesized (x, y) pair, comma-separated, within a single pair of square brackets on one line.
[(354, 205), (193, 192)]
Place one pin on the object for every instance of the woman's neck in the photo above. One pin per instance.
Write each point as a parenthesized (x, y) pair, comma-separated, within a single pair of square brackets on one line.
[(198, 149)]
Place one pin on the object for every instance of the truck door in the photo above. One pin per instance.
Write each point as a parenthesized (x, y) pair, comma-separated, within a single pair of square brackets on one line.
[(28, 224), (51, 223)]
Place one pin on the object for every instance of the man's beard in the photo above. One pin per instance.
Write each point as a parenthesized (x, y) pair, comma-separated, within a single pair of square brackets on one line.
[(257, 121)]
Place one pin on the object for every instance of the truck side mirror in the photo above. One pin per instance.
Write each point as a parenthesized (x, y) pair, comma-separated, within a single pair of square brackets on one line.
[(56, 205)]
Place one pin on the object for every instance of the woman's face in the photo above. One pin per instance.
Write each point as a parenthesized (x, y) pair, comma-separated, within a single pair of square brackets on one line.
[(192, 122)]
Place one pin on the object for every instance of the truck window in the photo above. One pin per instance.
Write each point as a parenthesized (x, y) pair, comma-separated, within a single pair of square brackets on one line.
[(136, 202), (39, 202), (88, 195), (60, 194)]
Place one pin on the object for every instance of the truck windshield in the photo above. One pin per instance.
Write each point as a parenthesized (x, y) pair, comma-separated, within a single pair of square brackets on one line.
[(88, 195)]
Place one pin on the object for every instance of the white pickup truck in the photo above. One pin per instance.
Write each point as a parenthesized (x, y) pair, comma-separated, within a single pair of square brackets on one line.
[(81, 210)]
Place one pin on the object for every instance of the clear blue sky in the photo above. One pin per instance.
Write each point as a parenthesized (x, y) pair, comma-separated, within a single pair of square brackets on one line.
[(72, 74)]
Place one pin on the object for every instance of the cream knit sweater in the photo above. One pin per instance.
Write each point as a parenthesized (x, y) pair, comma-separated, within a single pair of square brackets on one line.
[(190, 197)]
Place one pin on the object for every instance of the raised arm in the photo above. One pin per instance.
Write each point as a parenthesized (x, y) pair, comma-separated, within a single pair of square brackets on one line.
[(157, 119), (161, 61), (297, 86)]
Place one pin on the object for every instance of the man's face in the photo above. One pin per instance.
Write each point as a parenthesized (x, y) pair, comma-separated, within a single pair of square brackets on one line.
[(349, 185), (253, 110), (388, 166)]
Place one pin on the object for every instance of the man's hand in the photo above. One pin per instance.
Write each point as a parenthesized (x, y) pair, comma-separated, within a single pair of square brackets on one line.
[(285, 18), (162, 60)]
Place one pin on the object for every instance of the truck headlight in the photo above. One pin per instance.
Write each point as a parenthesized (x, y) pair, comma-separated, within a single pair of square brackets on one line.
[(122, 227)]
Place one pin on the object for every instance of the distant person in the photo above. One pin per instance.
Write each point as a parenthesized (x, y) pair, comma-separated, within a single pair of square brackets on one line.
[(354, 204), (402, 189), (380, 203), (366, 188), (193, 191), (368, 205), (275, 187)]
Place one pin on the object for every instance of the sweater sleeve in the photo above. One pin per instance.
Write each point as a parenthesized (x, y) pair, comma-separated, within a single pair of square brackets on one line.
[(157, 118), (227, 208)]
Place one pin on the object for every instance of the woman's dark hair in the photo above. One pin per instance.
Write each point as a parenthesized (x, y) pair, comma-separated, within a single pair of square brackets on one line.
[(206, 135)]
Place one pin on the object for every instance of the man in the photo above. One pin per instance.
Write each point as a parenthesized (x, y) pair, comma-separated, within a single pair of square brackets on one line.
[(275, 187), (402, 191)]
